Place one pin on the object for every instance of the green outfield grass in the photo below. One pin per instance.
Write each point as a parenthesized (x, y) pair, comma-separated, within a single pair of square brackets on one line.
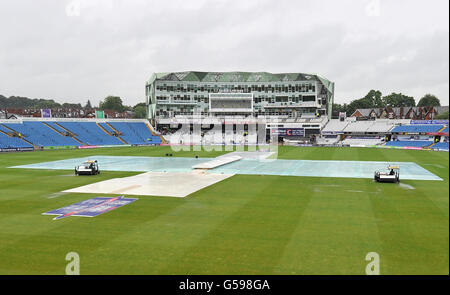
[(242, 225)]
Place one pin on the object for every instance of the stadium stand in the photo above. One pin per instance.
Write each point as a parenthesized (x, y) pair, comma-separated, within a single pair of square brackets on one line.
[(89, 133), (441, 146), (57, 128), (358, 126), (5, 130), (41, 135), (375, 132), (7, 142), (107, 128), (417, 128), (362, 141), (135, 133), (327, 139), (183, 137), (35, 133), (211, 137), (352, 126), (32, 133), (335, 126), (380, 127), (410, 143)]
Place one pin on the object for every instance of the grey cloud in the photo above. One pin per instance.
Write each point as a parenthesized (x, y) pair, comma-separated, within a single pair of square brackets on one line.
[(113, 46)]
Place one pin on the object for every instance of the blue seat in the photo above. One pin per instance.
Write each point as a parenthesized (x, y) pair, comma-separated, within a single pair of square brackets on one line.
[(41, 135), (441, 145), (55, 126), (107, 128), (416, 128), (410, 143), (135, 133), (90, 133), (7, 142)]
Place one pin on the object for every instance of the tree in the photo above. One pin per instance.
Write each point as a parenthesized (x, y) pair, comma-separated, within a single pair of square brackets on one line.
[(429, 100), (140, 104), (442, 116), (112, 103), (88, 105), (47, 104), (139, 112), (127, 108), (398, 100), (338, 108), (20, 102), (76, 106), (371, 100)]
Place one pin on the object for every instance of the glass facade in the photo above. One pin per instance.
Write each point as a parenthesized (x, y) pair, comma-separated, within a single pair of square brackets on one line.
[(292, 94)]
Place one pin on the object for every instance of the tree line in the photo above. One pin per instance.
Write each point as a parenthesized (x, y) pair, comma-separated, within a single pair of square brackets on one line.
[(113, 103), (375, 99)]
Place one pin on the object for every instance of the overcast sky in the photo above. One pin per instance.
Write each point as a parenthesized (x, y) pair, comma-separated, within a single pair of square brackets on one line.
[(75, 50)]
